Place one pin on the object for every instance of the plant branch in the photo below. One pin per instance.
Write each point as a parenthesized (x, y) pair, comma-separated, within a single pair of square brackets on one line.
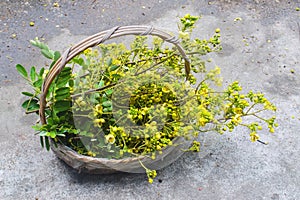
[(94, 90), (154, 65), (250, 108)]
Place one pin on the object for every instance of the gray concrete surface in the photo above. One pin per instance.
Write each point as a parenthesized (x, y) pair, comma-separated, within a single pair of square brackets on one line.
[(230, 167)]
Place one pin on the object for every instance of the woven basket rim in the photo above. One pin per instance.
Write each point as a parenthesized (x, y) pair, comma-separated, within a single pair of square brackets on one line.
[(98, 39)]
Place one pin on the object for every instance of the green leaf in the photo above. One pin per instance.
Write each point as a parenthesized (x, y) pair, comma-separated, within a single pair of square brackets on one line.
[(22, 71), (61, 106), (78, 61), (52, 87), (42, 141), (50, 121), (43, 133), (38, 83), (47, 53), (71, 83), (66, 70), (32, 42), (28, 94), (47, 143), (114, 67), (101, 83), (52, 134), (107, 103), (109, 62), (94, 98), (42, 70), (62, 91), (30, 105), (56, 55), (62, 81), (37, 127), (86, 64), (48, 112), (62, 96), (32, 73), (51, 65), (109, 92), (64, 77), (39, 44), (53, 127), (116, 76)]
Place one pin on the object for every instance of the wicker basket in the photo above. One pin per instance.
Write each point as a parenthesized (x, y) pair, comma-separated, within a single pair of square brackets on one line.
[(103, 165)]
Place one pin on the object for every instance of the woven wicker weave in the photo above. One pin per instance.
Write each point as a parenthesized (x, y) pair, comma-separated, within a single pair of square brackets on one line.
[(103, 165)]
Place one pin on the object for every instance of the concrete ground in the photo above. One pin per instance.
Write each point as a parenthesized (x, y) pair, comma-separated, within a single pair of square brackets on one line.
[(262, 51)]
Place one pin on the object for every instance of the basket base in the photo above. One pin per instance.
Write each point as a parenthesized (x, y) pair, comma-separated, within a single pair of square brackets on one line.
[(93, 165)]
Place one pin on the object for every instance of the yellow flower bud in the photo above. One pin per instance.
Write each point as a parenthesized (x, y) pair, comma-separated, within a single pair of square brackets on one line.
[(150, 180)]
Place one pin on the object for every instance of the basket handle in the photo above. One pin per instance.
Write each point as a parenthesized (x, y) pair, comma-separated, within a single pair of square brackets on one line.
[(98, 39)]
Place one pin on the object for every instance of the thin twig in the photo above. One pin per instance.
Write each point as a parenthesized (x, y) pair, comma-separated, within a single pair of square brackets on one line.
[(265, 143), (250, 108), (198, 86), (154, 65), (33, 111), (94, 90)]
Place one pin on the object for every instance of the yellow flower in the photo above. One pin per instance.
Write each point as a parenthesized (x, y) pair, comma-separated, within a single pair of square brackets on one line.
[(158, 148), (98, 110), (165, 89), (150, 180), (157, 135), (202, 121), (87, 51), (195, 147), (113, 129), (236, 119), (217, 70), (269, 106), (153, 156), (116, 62), (238, 110), (175, 116), (254, 137), (110, 138), (203, 92), (99, 122), (90, 153)]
